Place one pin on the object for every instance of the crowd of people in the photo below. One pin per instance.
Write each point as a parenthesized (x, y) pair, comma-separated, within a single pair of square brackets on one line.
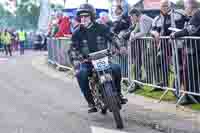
[(11, 40), (138, 25)]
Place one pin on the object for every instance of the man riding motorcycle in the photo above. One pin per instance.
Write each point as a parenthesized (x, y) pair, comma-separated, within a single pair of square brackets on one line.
[(87, 38)]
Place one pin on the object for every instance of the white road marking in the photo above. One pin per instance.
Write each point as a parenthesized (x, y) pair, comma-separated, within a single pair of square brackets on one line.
[(103, 130), (3, 60)]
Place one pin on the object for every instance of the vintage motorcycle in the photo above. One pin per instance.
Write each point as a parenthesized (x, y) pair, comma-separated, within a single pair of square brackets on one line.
[(102, 85)]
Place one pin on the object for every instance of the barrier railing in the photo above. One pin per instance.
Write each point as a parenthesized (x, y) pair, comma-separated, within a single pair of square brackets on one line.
[(122, 60), (151, 63), (188, 67), (57, 52), (168, 64)]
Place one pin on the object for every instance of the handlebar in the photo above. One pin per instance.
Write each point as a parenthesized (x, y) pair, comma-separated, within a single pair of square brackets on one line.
[(105, 51), (100, 54)]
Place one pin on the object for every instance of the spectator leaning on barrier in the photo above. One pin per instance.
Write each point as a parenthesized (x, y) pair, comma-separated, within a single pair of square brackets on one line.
[(22, 39), (119, 27), (7, 42), (63, 26), (54, 28), (191, 67), (144, 21), (143, 24), (160, 27), (122, 22), (193, 27)]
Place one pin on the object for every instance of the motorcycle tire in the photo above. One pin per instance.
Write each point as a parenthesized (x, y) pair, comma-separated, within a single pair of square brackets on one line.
[(114, 104)]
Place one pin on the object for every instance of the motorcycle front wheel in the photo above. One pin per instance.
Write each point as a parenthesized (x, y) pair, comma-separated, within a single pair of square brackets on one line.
[(113, 102)]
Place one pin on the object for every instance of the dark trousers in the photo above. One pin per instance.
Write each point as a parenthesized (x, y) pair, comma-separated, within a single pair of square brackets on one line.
[(8, 49), (84, 71), (162, 65), (137, 60), (191, 73), (22, 45)]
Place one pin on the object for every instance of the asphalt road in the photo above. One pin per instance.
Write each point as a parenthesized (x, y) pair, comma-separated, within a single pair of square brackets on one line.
[(34, 102)]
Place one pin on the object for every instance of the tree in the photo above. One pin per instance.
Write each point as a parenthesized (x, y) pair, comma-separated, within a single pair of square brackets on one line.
[(180, 4), (56, 7), (4, 12), (27, 14), (4, 16)]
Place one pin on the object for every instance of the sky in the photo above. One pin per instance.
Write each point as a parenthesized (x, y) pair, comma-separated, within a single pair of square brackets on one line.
[(76, 3)]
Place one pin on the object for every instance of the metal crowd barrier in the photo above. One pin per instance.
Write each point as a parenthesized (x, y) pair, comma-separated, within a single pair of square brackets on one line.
[(151, 64), (122, 60), (57, 52), (187, 51), (168, 64)]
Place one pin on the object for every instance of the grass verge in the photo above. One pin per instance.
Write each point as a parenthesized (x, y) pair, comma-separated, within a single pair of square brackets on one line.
[(147, 92), (195, 107)]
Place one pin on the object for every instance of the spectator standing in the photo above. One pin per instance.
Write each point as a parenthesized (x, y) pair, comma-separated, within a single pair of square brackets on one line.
[(7, 42), (22, 39), (1, 39)]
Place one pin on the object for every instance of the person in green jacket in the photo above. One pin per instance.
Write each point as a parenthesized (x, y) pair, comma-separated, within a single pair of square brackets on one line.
[(6, 39), (1, 43), (22, 39)]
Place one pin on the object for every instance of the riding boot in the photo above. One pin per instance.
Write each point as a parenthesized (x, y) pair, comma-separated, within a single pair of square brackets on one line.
[(118, 87), (91, 103)]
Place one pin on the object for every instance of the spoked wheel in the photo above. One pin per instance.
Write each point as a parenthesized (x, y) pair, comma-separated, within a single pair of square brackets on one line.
[(114, 105)]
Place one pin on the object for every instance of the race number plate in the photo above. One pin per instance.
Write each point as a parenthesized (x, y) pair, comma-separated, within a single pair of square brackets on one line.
[(101, 64)]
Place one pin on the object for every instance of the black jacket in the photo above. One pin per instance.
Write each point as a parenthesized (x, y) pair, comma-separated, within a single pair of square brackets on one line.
[(88, 40), (193, 27), (122, 24), (128, 32), (162, 23)]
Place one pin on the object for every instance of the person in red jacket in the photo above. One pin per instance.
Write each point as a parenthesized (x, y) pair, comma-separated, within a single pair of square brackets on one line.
[(63, 26)]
